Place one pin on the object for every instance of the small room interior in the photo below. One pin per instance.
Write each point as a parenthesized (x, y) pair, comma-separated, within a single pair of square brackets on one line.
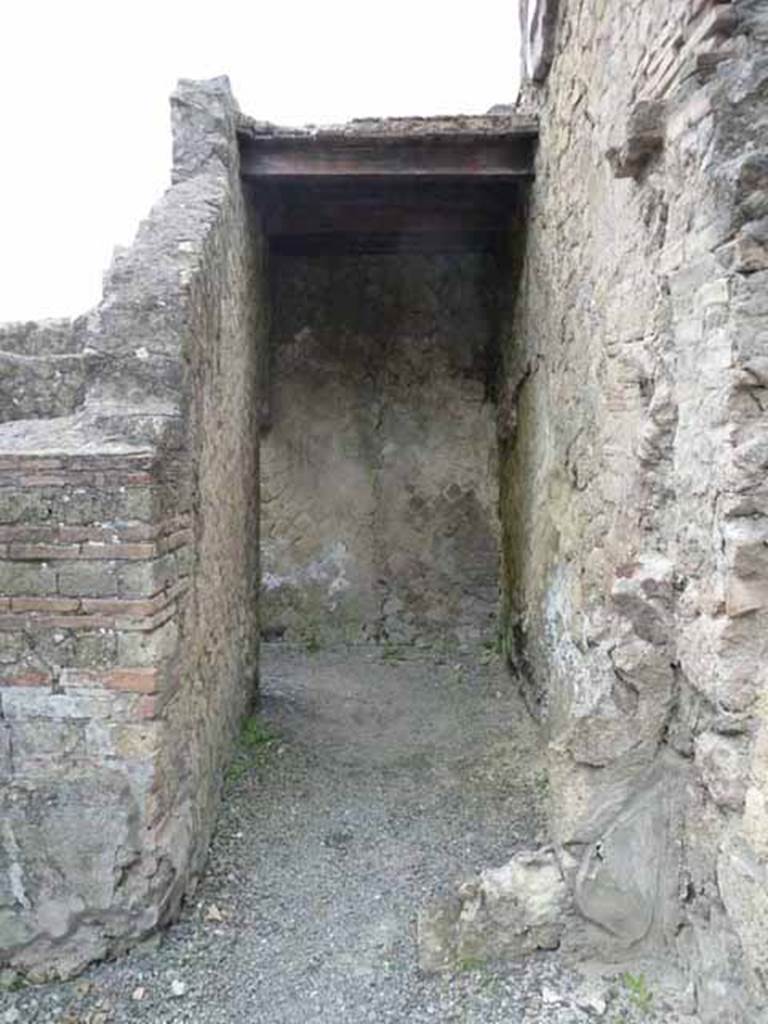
[(389, 259)]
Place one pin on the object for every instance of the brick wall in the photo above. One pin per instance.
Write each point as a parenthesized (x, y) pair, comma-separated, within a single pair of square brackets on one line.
[(129, 571)]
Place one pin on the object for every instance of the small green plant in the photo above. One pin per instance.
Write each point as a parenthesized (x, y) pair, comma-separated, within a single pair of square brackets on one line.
[(392, 652), (236, 769), (469, 963), (256, 736), (10, 981), (312, 643), (255, 733), (490, 650), (638, 993)]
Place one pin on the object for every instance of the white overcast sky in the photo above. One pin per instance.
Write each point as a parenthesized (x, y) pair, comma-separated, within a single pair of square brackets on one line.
[(84, 103)]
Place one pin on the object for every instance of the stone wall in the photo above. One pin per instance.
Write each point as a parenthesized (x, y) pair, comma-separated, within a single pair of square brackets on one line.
[(42, 369), (379, 488), (633, 434), (128, 622)]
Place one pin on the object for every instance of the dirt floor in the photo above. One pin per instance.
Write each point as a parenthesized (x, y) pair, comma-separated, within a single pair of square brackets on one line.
[(370, 781)]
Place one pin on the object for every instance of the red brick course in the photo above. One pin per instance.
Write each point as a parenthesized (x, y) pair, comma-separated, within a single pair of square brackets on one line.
[(44, 604), (143, 614), (126, 680), (42, 552), (118, 551), (27, 677), (109, 533)]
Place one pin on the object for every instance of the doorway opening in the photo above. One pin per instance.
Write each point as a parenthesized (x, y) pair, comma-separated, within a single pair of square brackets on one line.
[(388, 253)]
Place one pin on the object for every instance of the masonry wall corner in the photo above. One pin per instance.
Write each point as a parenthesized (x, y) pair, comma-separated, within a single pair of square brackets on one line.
[(129, 633)]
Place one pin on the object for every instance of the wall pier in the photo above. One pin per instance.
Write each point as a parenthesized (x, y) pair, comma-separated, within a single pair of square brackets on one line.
[(128, 621)]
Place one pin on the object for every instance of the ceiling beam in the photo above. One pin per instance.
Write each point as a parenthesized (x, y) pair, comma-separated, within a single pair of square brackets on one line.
[(501, 157)]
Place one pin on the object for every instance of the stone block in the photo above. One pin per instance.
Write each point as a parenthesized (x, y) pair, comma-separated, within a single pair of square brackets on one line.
[(742, 878), (79, 505), (642, 592), (743, 596), (13, 645), (619, 712), (712, 952), (642, 142), (143, 579), (620, 884), (714, 293), (25, 703), (27, 580), (17, 506), (92, 648), (44, 741), (751, 248), (136, 503), (39, 387), (88, 579), (504, 913), (723, 657), (185, 560), (723, 762), (139, 743), (746, 546), (148, 647), (63, 845)]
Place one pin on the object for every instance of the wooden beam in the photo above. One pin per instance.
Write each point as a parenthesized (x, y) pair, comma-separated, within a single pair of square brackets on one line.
[(489, 157), (395, 208)]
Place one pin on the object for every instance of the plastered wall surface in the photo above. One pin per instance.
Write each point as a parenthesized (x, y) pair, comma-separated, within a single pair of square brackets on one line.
[(379, 487)]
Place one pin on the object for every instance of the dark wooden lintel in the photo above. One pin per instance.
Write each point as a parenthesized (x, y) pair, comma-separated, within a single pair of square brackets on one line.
[(489, 157), (388, 193)]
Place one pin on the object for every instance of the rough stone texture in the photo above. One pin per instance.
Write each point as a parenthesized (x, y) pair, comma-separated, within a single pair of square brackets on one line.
[(379, 485), (506, 122), (505, 912), (632, 424), (42, 369), (128, 632)]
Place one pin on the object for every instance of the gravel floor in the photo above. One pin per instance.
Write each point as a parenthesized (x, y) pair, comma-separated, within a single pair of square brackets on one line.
[(369, 782)]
